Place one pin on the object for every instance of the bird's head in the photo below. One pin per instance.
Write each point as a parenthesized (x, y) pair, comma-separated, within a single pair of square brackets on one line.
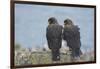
[(52, 20)]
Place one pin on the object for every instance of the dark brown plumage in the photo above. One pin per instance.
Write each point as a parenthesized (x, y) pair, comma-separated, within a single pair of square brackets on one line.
[(71, 35), (54, 38)]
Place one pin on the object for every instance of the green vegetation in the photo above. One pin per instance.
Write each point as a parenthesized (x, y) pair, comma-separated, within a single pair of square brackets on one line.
[(17, 47), (25, 57)]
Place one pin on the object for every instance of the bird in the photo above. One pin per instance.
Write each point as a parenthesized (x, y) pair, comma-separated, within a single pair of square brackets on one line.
[(71, 35), (54, 38)]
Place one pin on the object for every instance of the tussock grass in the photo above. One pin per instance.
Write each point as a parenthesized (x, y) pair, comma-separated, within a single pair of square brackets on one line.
[(44, 57)]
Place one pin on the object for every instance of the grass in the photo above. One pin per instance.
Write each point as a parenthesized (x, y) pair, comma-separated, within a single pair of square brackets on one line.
[(44, 57)]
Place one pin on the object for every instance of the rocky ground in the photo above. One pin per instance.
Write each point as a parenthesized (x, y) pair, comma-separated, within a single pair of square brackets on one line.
[(27, 57)]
